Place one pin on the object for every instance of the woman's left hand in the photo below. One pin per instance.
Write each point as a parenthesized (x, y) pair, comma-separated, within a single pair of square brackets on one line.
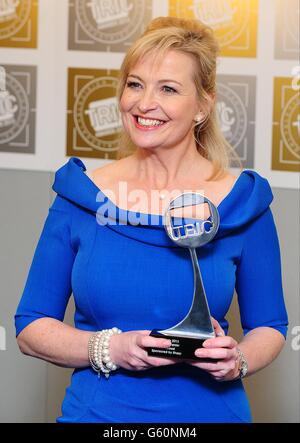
[(219, 354)]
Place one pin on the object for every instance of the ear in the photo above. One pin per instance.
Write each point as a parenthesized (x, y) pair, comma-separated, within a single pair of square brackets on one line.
[(197, 118), (206, 107)]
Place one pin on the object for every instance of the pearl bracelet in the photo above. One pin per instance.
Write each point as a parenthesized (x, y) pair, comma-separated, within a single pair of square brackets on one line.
[(98, 351)]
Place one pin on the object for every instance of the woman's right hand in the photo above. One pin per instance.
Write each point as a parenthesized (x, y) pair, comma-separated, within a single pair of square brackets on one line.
[(128, 350)]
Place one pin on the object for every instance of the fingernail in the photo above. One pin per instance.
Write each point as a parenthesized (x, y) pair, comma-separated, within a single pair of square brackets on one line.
[(198, 354)]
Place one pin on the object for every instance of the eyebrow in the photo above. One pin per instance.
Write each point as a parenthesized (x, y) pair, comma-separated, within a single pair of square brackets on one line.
[(160, 81)]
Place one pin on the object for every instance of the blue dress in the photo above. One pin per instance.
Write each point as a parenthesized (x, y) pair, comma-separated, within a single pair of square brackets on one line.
[(127, 273)]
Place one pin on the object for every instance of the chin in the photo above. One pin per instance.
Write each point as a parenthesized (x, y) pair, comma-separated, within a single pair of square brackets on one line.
[(141, 144), (145, 148), (148, 148)]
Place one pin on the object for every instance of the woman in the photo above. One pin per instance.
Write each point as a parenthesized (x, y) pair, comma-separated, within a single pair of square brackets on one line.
[(101, 244)]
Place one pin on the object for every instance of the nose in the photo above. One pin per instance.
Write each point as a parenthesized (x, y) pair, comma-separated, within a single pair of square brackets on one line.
[(147, 102)]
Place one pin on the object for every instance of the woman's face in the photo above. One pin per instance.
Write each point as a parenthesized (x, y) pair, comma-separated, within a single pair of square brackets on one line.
[(159, 101)]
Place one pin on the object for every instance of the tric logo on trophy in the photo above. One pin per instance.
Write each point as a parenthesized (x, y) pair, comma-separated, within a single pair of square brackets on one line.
[(196, 325), (18, 23), (94, 121)]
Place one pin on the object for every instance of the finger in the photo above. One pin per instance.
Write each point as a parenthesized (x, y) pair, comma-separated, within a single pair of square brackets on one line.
[(220, 342), (219, 375), (209, 366), (156, 361), (215, 353), (217, 327), (147, 341), (215, 369)]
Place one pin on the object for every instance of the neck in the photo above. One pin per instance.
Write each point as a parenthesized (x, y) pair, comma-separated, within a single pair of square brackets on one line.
[(164, 168)]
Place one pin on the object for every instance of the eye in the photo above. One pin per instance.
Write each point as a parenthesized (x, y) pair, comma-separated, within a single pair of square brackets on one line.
[(133, 85), (169, 90)]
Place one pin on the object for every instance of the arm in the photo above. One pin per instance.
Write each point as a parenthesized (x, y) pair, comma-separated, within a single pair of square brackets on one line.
[(65, 346), (55, 342), (48, 285), (39, 318), (260, 347), (262, 309), (40, 330)]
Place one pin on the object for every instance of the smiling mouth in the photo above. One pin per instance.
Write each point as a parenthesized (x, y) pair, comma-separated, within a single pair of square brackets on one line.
[(148, 122)]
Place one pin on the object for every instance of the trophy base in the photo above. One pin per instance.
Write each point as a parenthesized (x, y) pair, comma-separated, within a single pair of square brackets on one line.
[(181, 347)]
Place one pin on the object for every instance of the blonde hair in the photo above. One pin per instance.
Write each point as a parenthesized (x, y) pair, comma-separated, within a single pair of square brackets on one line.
[(194, 38)]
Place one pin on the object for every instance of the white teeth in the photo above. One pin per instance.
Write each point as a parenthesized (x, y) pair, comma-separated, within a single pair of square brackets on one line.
[(148, 122)]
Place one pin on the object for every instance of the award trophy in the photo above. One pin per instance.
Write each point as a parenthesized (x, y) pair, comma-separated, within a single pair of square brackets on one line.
[(190, 333)]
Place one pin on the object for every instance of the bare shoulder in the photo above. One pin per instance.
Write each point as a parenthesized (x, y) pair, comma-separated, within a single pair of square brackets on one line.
[(217, 190), (230, 179), (224, 178), (110, 173), (225, 184)]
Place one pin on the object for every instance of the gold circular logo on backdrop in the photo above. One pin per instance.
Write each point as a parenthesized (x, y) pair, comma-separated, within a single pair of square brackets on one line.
[(14, 16), (290, 126), (96, 115), (14, 110), (110, 22), (228, 18)]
